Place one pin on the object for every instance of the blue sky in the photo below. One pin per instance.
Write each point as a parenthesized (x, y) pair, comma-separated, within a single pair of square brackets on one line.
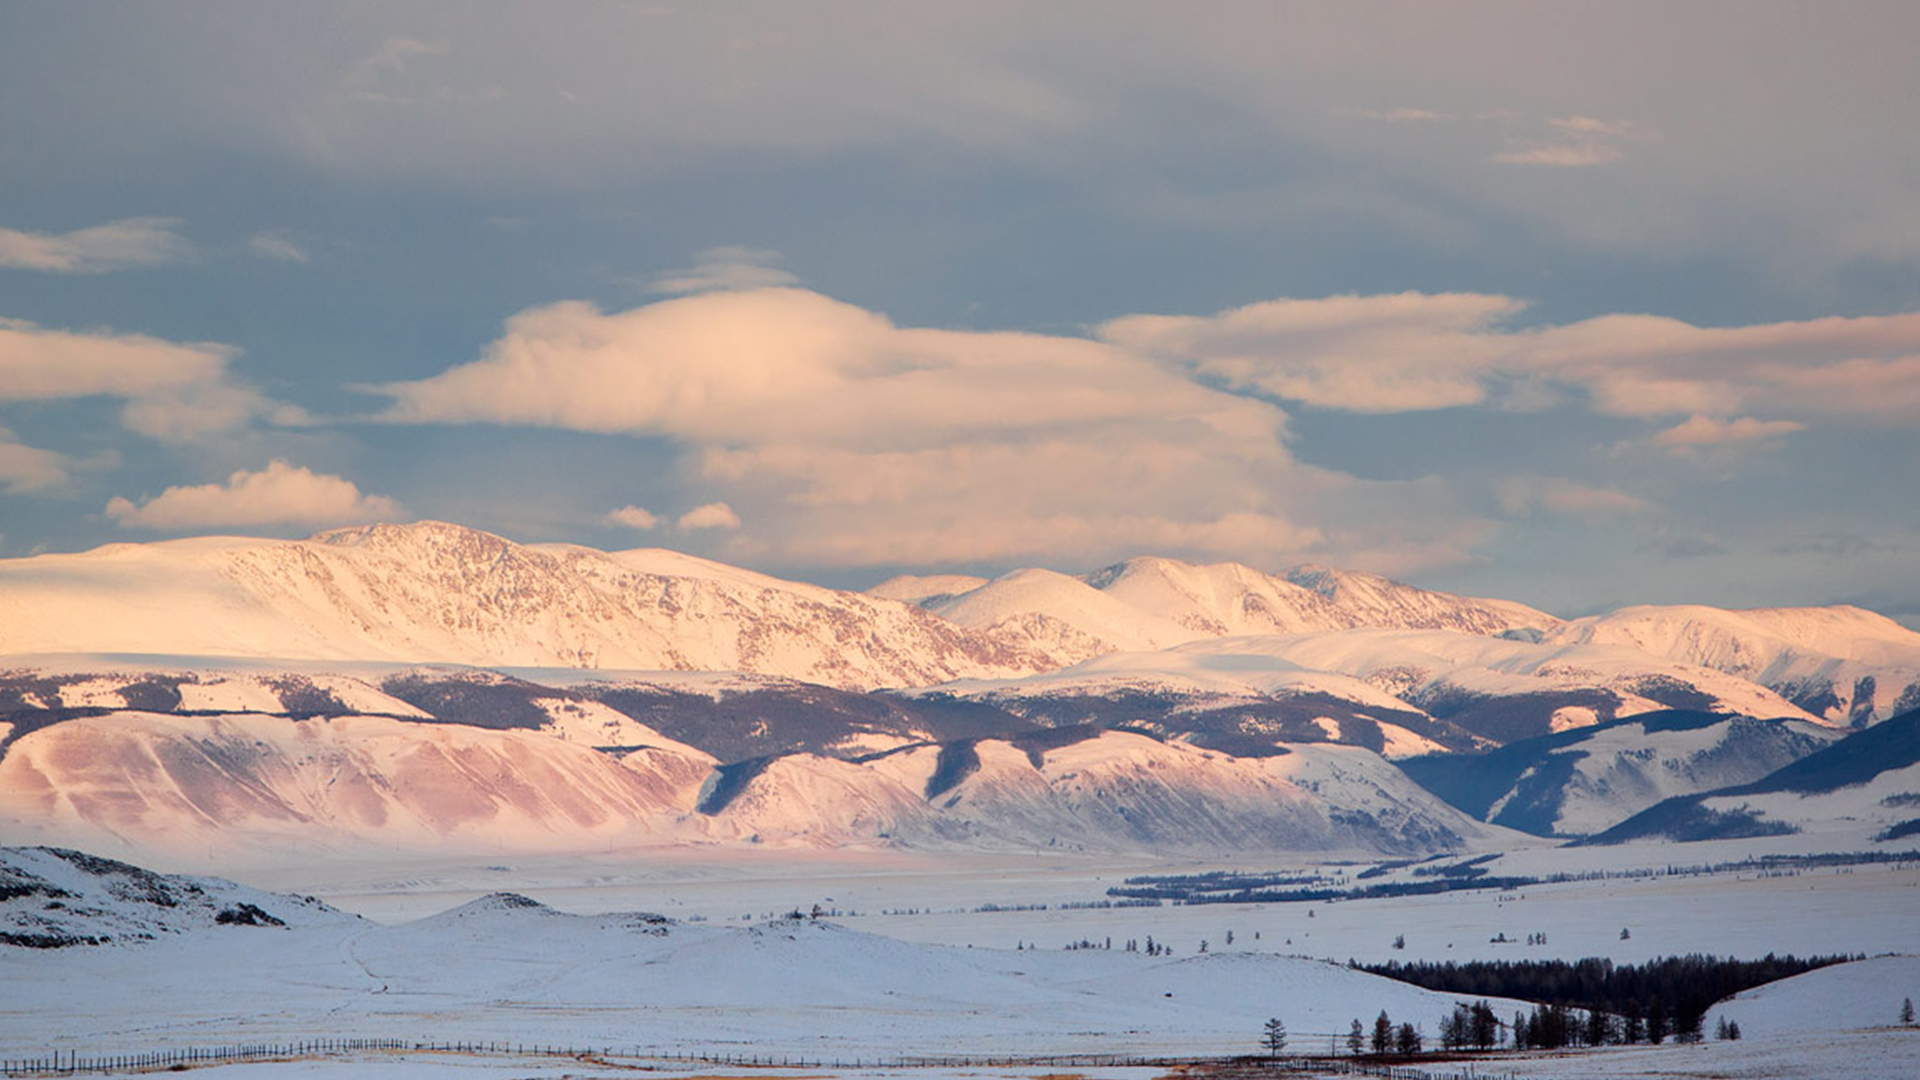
[(1582, 305)]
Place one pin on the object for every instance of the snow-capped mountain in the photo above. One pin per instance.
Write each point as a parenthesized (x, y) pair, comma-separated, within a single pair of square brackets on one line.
[(1155, 603), (1843, 663), (1443, 690), (432, 592), (1864, 789), (1234, 700), (1586, 780)]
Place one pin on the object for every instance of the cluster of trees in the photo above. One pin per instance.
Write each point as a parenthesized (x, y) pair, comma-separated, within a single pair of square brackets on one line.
[(1470, 1027), (1669, 995), (1386, 1037), (1553, 1027)]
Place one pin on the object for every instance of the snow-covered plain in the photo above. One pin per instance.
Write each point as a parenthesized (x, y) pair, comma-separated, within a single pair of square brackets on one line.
[(723, 978)]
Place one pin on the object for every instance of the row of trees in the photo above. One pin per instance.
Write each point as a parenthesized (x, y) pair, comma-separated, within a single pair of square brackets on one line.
[(1547, 1027)]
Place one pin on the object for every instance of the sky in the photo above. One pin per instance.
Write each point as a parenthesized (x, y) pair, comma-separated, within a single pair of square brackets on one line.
[(1581, 305)]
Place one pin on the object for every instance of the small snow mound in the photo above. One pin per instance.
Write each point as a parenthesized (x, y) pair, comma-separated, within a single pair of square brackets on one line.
[(501, 901)]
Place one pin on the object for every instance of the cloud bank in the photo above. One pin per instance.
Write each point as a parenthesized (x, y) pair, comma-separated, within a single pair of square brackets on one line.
[(845, 439)]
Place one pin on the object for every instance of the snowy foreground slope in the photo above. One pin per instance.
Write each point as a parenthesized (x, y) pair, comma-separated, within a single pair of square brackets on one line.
[(506, 968)]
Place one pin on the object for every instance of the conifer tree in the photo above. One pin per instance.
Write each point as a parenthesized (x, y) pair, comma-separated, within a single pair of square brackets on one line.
[(1382, 1033), (1275, 1037)]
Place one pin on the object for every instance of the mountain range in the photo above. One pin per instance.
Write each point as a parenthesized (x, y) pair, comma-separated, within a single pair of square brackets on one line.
[(428, 683)]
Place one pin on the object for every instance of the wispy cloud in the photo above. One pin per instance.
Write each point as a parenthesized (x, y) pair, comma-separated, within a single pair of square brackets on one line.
[(117, 245), (1574, 142), (280, 494), (177, 391), (724, 268), (1697, 432), (1404, 115), (1567, 498), (278, 244)]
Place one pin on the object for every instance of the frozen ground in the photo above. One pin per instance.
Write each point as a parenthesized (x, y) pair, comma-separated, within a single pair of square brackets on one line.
[(1864, 909)]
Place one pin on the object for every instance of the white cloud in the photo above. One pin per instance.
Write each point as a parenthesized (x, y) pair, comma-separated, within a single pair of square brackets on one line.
[(726, 268), (842, 439), (175, 391), (117, 245), (711, 516), (1393, 353), (1414, 351), (1703, 431), (632, 517), (278, 244), (38, 363), (280, 494)]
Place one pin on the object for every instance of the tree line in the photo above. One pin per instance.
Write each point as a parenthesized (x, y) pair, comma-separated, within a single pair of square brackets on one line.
[(1669, 995)]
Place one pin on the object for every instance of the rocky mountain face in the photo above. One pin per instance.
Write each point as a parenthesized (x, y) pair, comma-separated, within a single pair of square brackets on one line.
[(1588, 779)]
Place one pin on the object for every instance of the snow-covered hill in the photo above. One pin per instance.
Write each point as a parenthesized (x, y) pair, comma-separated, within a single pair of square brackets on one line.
[(144, 781), (1221, 698), (55, 898), (1153, 603), (432, 592), (1842, 663), (1086, 789), (139, 781), (506, 967), (1863, 789), (1585, 780)]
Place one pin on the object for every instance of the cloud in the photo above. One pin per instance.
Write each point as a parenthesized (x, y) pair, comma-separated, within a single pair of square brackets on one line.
[(1374, 354), (726, 268), (1566, 498), (26, 469), (174, 391), (632, 517), (1702, 431), (1404, 115), (1414, 351), (711, 516), (117, 245), (280, 494), (278, 244), (842, 439), (1576, 142)]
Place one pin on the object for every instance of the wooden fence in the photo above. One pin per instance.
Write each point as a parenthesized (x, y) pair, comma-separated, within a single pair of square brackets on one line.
[(75, 1062)]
